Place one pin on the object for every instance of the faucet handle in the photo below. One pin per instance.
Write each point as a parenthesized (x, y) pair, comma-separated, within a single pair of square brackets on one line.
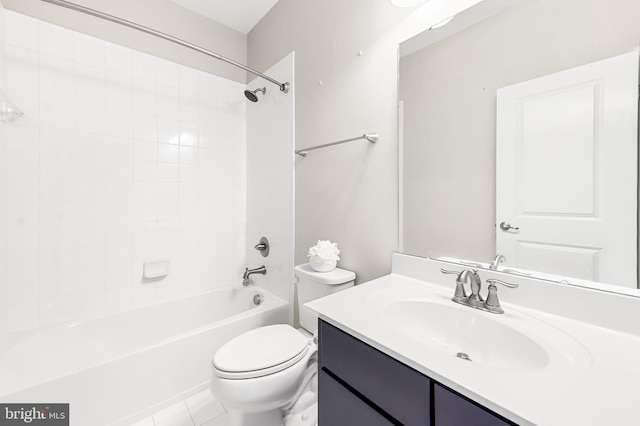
[(460, 294), (504, 283), (493, 304)]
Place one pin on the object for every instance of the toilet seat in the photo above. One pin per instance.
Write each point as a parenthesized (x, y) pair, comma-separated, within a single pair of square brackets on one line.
[(260, 352)]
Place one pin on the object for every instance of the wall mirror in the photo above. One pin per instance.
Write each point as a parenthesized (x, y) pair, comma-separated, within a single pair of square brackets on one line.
[(449, 83)]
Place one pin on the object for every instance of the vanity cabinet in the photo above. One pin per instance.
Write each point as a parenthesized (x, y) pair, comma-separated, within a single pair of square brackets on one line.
[(359, 385)]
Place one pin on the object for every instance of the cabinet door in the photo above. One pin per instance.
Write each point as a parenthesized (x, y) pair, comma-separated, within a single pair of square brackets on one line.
[(338, 406), (387, 383), (451, 409)]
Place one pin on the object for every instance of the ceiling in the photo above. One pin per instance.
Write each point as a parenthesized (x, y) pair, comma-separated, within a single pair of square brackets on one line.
[(241, 15)]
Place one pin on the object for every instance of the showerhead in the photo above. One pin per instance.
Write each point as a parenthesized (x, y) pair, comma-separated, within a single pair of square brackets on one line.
[(252, 96)]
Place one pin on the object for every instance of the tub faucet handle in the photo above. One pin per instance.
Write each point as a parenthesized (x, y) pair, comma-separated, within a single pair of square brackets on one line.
[(263, 246)]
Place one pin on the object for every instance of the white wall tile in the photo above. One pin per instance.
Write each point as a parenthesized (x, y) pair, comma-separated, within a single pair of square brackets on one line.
[(118, 97), (23, 164), (118, 169), (169, 173), (55, 311), (168, 133), (119, 146), (56, 276), (145, 191), (121, 232), (168, 153), (145, 129), (168, 211), (89, 50), (188, 117), (168, 73), (168, 107), (88, 74), (144, 66), (22, 215), (55, 140), (118, 59), (188, 80), (57, 214), (55, 41), (56, 238), (89, 96), (119, 191), (21, 138), (56, 117), (119, 255), (118, 298), (145, 211), (22, 277), (145, 171), (22, 73), (116, 162), (22, 317), (89, 303), (169, 192), (23, 189), (145, 151), (21, 31), (56, 92), (90, 122), (55, 68)]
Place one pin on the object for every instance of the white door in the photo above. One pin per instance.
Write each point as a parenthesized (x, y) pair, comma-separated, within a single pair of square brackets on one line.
[(566, 166)]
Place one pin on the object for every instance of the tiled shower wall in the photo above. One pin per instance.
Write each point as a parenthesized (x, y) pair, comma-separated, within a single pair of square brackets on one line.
[(121, 158)]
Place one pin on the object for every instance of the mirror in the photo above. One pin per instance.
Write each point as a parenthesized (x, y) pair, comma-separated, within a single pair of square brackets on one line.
[(447, 103)]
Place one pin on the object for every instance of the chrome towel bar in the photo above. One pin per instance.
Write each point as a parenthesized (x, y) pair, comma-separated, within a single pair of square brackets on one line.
[(371, 137)]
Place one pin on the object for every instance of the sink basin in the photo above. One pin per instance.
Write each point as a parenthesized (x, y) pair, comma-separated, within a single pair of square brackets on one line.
[(471, 336), (513, 341)]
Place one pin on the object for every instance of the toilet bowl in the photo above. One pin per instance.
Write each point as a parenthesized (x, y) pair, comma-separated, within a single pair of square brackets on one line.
[(268, 374)]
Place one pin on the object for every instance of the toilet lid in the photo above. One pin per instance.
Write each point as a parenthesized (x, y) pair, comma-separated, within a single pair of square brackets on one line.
[(261, 351)]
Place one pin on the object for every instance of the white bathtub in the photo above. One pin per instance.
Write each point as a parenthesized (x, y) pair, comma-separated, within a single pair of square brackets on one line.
[(116, 368)]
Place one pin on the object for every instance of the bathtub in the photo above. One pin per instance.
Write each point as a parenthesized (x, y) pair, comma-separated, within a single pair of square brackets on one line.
[(116, 368)]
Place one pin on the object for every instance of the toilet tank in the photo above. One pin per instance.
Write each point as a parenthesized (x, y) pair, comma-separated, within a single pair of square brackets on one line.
[(314, 285)]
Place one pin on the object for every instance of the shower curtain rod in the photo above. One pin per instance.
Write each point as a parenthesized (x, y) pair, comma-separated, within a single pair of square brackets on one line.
[(371, 137), (284, 87)]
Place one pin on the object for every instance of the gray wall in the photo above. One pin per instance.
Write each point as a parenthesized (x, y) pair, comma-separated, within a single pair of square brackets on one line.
[(160, 15), (347, 193), (449, 92)]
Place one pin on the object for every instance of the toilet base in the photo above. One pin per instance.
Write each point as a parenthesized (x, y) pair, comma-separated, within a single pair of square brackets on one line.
[(308, 417), (262, 418)]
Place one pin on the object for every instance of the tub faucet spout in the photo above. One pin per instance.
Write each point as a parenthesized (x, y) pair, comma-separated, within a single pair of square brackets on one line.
[(248, 272)]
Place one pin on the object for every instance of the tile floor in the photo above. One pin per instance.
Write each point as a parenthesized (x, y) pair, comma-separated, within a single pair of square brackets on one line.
[(201, 409)]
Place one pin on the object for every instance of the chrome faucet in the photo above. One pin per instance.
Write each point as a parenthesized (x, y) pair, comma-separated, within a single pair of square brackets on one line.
[(498, 259), (248, 272), (475, 300)]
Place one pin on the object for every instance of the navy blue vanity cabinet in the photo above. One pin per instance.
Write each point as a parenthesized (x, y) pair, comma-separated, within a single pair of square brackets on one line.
[(359, 385), (346, 408), (382, 385), (451, 409)]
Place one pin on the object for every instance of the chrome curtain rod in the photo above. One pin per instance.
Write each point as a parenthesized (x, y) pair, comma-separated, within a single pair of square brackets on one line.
[(371, 137), (284, 87)]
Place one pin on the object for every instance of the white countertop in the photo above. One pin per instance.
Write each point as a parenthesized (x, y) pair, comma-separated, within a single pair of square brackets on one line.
[(600, 386)]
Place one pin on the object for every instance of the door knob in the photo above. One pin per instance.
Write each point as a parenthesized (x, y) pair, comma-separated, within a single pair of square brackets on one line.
[(506, 226)]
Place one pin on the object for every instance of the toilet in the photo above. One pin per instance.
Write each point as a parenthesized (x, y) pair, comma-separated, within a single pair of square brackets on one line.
[(267, 376)]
